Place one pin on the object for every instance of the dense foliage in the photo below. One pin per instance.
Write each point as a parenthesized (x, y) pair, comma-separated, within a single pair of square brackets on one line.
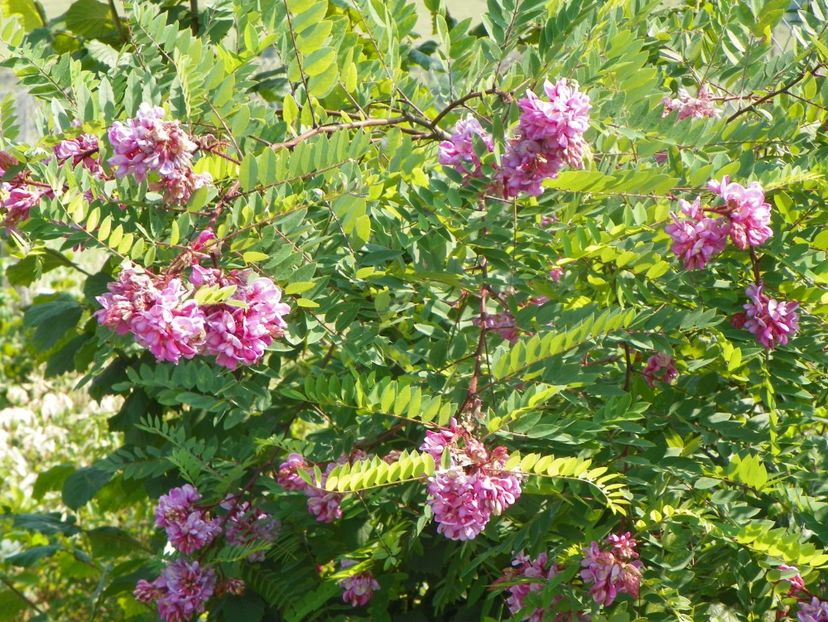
[(523, 321)]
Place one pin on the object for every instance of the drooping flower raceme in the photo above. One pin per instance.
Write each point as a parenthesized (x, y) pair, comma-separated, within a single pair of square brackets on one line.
[(148, 143), (458, 150), (80, 150), (17, 197), (748, 212), (239, 333), (814, 610), (796, 581), (245, 525), (696, 238), (772, 322), (690, 107), (188, 527), (660, 367), (134, 292), (357, 589), (465, 495), (287, 477), (173, 327), (324, 506), (613, 570), (180, 592), (550, 135)]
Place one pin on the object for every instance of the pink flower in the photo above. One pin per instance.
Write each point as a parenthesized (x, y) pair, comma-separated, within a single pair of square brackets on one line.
[(691, 107), (204, 238), (555, 274), (133, 293), (180, 592), (612, 572), (231, 586), (17, 201), (772, 322), (551, 134), (324, 506), (660, 367), (178, 186), (696, 238), (239, 332), (796, 582), (171, 328), (188, 527), (247, 525), (287, 477), (536, 572), (749, 213), (436, 441), (149, 143), (501, 323), (357, 589), (82, 150), (814, 610), (459, 152)]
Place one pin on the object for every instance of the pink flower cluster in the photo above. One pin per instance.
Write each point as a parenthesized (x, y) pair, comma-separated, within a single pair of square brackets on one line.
[(745, 217), (458, 150), (536, 572), (189, 528), (81, 150), (324, 506), (814, 610), (550, 134), (612, 570), (465, 495), (357, 589), (696, 238), (503, 324), (17, 196), (245, 525), (183, 587), (796, 582), (772, 322), (690, 107), (747, 211), (165, 319), (147, 143), (180, 592), (660, 367)]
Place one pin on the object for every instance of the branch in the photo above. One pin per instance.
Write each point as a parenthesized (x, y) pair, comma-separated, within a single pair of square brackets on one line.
[(628, 363), (194, 17), (335, 127), (459, 102), (299, 60), (23, 597), (783, 89)]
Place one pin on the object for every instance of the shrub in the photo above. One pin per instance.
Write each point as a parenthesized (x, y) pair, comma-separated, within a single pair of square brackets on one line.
[(525, 321)]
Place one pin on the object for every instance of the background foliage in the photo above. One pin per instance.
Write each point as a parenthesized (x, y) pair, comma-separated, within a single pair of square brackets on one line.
[(326, 117)]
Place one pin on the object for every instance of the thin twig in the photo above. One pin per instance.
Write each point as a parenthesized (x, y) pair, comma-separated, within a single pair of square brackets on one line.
[(783, 89), (299, 62)]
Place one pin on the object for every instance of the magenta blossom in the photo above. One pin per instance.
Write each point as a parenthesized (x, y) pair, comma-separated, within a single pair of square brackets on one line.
[(173, 327), (696, 238), (503, 324), (81, 150), (239, 331), (772, 322), (796, 582), (357, 589), (180, 592), (148, 143), (188, 527), (556, 273), (458, 151), (660, 367), (17, 201), (612, 572), (748, 211), (324, 506), (245, 525), (464, 496), (690, 107), (550, 135), (178, 186), (132, 293), (287, 477)]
